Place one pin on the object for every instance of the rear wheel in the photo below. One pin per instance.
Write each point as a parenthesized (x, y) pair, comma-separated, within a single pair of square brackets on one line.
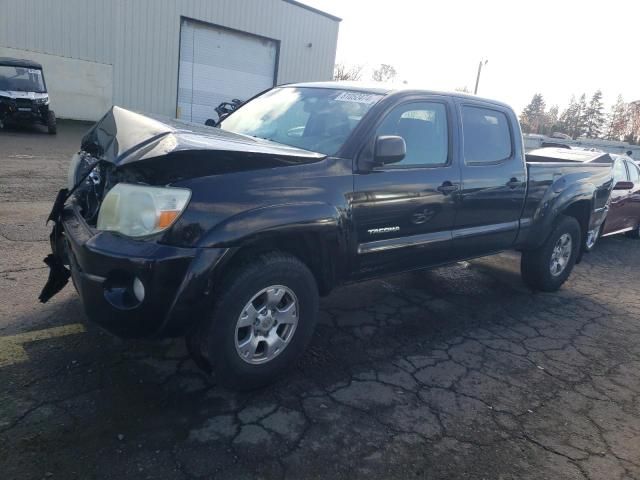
[(52, 126), (261, 323), (548, 267)]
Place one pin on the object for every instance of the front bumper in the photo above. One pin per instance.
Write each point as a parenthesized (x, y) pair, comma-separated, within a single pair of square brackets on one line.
[(103, 267), (33, 113)]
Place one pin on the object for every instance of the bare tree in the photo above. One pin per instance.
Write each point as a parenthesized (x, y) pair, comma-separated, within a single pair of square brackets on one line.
[(344, 72), (384, 73)]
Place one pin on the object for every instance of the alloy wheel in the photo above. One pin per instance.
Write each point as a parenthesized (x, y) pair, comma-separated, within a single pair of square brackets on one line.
[(266, 324)]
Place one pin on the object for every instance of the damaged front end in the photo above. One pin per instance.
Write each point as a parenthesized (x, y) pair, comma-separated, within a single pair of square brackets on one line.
[(118, 227)]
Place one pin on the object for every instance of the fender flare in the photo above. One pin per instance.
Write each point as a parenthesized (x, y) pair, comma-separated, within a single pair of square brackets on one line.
[(553, 205)]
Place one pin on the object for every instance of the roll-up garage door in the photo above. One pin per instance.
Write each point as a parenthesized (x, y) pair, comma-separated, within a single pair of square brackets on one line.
[(218, 65)]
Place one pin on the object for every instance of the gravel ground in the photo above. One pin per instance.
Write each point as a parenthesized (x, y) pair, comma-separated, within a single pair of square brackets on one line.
[(459, 372)]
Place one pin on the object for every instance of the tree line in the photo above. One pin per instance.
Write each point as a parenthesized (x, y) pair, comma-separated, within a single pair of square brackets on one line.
[(384, 72), (584, 118)]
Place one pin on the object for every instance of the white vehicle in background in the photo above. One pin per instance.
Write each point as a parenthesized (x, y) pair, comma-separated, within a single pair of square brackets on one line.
[(23, 94)]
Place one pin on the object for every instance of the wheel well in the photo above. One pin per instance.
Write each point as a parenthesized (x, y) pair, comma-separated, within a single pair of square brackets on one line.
[(311, 249), (581, 211)]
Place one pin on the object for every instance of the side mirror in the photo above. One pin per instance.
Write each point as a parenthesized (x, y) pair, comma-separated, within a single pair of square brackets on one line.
[(389, 149), (623, 185)]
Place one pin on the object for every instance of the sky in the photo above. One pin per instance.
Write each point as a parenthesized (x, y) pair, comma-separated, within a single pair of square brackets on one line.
[(556, 48)]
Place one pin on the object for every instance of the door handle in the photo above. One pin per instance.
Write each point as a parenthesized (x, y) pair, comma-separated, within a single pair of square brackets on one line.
[(447, 187), (514, 183)]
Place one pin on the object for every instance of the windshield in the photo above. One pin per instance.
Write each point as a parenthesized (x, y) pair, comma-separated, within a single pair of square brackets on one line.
[(21, 79), (315, 119)]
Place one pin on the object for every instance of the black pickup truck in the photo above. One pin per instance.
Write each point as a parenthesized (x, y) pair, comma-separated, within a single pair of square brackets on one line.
[(229, 235)]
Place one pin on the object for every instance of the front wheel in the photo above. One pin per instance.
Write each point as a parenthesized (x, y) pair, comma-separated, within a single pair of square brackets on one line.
[(261, 322), (548, 267)]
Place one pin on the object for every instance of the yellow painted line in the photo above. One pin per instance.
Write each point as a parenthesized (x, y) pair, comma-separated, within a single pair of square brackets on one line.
[(11, 346)]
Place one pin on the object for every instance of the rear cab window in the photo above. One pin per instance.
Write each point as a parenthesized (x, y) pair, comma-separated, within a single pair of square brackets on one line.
[(487, 137)]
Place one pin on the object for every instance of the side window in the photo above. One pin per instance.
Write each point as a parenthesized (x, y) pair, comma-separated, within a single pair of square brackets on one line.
[(423, 125), (619, 172), (486, 135), (634, 174)]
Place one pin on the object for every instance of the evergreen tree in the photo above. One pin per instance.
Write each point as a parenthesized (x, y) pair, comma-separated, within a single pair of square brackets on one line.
[(580, 120), (569, 118), (617, 120), (552, 121), (594, 116), (532, 117)]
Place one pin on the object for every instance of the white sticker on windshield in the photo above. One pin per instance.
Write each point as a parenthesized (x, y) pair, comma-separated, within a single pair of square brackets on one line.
[(33, 70), (356, 97)]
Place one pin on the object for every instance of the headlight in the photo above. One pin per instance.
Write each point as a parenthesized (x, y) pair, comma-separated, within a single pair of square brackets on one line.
[(138, 210), (41, 101)]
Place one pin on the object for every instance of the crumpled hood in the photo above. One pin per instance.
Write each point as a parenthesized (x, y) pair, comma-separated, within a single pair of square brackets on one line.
[(123, 137)]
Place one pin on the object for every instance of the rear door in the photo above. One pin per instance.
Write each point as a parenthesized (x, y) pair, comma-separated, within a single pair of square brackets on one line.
[(404, 212), (493, 189)]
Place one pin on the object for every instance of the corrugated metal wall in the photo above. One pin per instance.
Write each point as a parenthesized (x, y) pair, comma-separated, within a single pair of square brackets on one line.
[(141, 38)]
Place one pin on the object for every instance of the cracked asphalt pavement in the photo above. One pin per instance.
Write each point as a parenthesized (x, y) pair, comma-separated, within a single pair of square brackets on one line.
[(460, 372)]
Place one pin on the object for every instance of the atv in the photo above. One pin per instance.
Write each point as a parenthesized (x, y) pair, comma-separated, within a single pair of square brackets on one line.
[(23, 94)]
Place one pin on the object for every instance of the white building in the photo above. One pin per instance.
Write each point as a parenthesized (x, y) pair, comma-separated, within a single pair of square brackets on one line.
[(170, 57)]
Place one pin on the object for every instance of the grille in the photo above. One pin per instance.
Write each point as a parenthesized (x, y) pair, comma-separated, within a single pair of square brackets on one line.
[(24, 103)]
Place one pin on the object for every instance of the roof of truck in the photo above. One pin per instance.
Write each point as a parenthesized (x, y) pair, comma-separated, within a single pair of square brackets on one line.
[(19, 62), (385, 89)]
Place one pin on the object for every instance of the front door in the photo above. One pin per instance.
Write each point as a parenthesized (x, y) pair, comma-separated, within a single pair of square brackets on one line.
[(493, 181), (404, 212)]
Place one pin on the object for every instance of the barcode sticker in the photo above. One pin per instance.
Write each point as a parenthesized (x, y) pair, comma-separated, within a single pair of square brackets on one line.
[(357, 97)]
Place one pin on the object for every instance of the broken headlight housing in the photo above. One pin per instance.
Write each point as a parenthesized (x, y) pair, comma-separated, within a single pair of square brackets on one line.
[(140, 210)]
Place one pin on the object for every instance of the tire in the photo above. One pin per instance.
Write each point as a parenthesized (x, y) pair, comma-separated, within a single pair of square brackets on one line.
[(538, 271), (274, 274), (52, 126), (210, 122)]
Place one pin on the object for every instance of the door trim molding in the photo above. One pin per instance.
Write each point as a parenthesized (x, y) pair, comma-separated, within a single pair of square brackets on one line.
[(410, 241), (435, 237), (485, 229), (623, 230)]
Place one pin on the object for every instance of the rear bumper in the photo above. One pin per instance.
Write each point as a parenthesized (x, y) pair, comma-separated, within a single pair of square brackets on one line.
[(104, 266)]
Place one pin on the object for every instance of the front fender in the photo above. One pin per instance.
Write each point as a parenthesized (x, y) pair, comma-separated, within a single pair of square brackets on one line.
[(303, 217)]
